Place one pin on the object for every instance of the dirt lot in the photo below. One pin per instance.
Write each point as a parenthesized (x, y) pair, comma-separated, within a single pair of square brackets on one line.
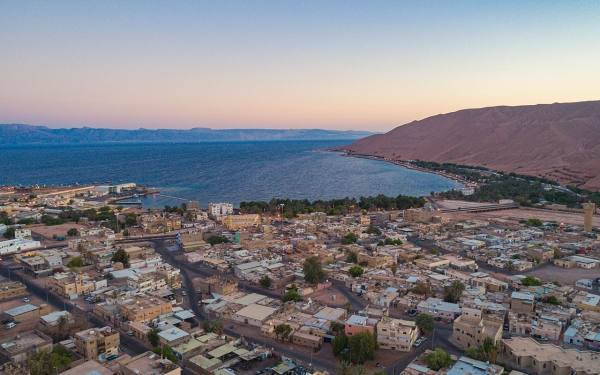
[(570, 218), (562, 275), (326, 296)]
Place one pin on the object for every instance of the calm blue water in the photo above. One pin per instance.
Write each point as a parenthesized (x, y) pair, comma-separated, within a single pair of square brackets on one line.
[(217, 172)]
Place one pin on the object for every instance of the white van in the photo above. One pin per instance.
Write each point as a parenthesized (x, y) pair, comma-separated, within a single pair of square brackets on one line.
[(10, 325)]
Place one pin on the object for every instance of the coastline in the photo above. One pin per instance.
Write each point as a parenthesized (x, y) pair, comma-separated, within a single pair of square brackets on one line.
[(401, 164)]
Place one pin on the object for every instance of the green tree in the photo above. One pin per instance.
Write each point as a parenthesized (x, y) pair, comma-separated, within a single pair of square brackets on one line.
[(360, 370), (551, 300), (338, 344), (213, 326), (153, 336), (533, 222), (130, 219), (336, 328), (425, 323), (475, 352), (557, 253), (364, 263), (283, 330), (355, 271), (510, 266), (538, 260), (344, 368), (421, 288), (313, 272), (454, 291), (291, 295), (516, 256), (349, 239), (215, 240), (493, 354), (75, 262), (10, 233), (120, 256), (488, 344), (265, 281), (373, 230), (394, 268), (72, 232), (352, 258), (437, 359), (363, 346), (126, 233), (166, 351), (530, 281), (434, 251)]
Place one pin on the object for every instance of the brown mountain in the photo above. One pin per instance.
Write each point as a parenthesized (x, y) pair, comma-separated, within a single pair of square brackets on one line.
[(560, 141)]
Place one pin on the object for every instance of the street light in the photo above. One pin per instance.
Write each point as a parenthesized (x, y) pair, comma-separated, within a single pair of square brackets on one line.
[(281, 205)]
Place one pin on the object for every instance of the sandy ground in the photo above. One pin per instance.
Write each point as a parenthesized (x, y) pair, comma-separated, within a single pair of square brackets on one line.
[(563, 276), (570, 218), (326, 296)]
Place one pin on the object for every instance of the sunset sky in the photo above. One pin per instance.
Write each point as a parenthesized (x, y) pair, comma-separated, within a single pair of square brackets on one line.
[(362, 65)]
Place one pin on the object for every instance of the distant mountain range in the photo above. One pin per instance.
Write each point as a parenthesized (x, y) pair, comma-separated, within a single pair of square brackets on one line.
[(30, 134), (560, 141)]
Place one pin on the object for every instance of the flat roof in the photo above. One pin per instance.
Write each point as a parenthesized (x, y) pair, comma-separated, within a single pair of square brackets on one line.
[(250, 299), (258, 312), (21, 310), (90, 367), (173, 334)]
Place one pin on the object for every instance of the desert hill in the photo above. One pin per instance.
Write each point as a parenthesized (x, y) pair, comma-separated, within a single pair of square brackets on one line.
[(560, 141)]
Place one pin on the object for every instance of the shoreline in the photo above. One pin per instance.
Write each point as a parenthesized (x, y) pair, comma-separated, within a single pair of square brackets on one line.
[(401, 164)]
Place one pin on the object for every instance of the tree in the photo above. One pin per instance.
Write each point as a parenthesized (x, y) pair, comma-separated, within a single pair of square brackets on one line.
[(475, 352), (538, 260), (394, 268), (364, 263), (75, 262), (265, 281), (313, 272), (10, 233), (336, 328), (551, 300), (421, 288), (493, 354), (349, 239), (338, 344), (530, 281), (284, 330), (62, 322), (373, 230), (215, 240), (348, 307), (153, 336), (437, 359), (454, 291), (557, 253), (44, 361), (510, 266), (360, 370), (214, 326), (516, 256), (355, 271), (291, 295), (425, 322), (126, 233), (166, 351), (120, 256), (434, 251), (72, 232), (130, 219), (533, 222), (352, 258), (344, 368), (363, 346), (488, 343)]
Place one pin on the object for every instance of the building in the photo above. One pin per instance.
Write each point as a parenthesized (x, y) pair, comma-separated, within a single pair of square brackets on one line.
[(173, 336), (71, 286), (522, 302), (26, 311), (219, 209), (217, 284), (148, 364), (468, 190), (588, 211), (431, 263), (469, 366), (375, 260), (309, 337), (19, 348), (12, 289), (98, 343), (436, 307), (543, 254), (16, 245), (245, 268), (421, 214), (234, 222), (254, 314), (471, 328), (145, 309), (525, 352), (357, 323), (146, 282), (396, 334), (190, 242), (22, 233), (52, 318)]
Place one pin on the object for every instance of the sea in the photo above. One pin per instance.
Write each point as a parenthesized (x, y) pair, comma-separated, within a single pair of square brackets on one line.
[(212, 172)]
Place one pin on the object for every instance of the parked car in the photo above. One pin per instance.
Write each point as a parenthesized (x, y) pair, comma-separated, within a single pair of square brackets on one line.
[(25, 299), (450, 320), (438, 318), (10, 325), (422, 338), (417, 344), (271, 287), (506, 327), (542, 339), (129, 333), (183, 293), (112, 357)]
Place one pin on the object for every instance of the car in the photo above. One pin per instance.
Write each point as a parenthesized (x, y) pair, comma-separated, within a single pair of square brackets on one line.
[(417, 344), (422, 338), (405, 312), (129, 333), (183, 293), (542, 339), (450, 320), (271, 287), (414, 313), (378, 364), (25, 299), (112, 357), (10, 325), (121, 348), (438, 318), (506, 327)]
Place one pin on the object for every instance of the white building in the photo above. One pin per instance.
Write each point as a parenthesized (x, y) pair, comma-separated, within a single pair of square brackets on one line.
[(468, 190), (218, 209), (13, 246), (22, 233)]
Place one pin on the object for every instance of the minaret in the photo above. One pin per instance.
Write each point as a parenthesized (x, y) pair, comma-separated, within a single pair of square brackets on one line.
[(588, 209)]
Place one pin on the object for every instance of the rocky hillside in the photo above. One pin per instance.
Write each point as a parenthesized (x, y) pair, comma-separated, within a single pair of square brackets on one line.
[(560, 141)]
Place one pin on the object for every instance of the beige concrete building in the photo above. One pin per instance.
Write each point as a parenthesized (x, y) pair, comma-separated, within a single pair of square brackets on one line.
[(98, 343), (397, 334), (548, 358), (145, 309), (19, 348), (12, 289), (218, 284), (309, 337), (431, 263), (148, 364), (67, 285), (522, 302), (233, 222), (543, 254), (471, 328), (375, 260)]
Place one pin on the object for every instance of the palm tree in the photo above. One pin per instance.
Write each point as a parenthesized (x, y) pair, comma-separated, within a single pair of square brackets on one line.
[(115, 294), (348, 306), (394, 268), (360, 370), (344, 368), (493, 354), (62, 322)]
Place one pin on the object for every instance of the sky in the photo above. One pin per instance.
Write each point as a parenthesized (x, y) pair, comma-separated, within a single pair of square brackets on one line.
[(344, 65)]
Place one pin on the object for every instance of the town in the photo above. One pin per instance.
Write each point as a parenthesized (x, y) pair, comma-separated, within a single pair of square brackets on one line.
[(92, 282)]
